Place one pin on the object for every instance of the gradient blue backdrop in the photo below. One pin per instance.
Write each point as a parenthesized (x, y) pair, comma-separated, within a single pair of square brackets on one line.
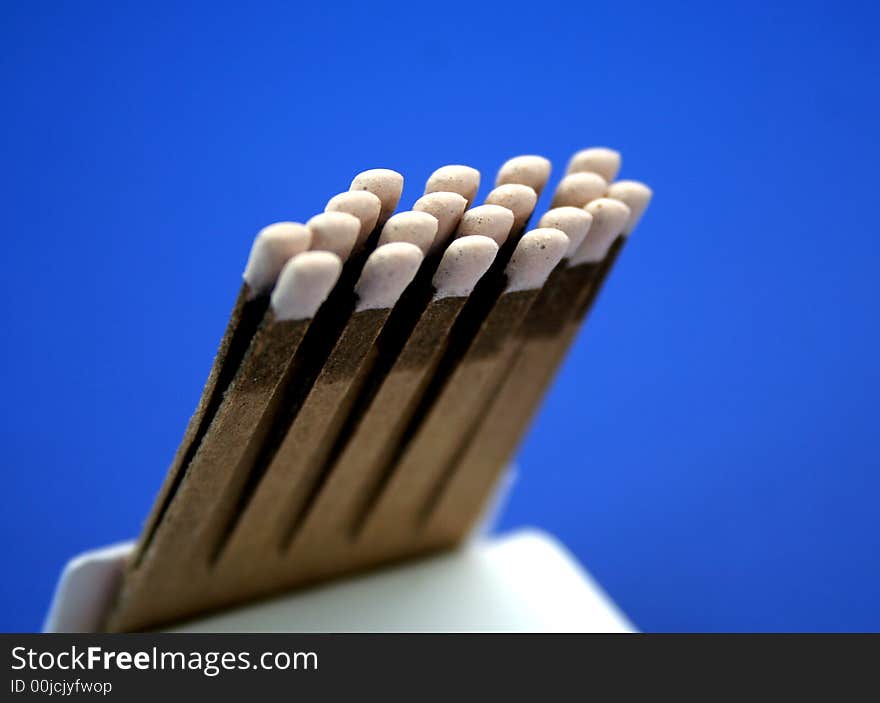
[(710, 450)]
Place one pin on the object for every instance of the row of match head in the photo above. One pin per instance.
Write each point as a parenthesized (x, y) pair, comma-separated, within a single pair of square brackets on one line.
[(307, 279), (583, 204)]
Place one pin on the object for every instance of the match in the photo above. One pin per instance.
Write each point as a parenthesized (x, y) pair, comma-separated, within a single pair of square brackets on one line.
[(283, 484), (455, 178), (578, 189), (449, 406), (157, 588), (599, 160), (542, 342), (532, 171), (271, 249), (323, 541), (543, 349), (376, 376)]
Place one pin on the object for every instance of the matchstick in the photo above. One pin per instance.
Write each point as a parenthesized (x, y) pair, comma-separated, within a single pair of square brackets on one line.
[(374, 429), (493, 221), (413, 226), (272, 248), (451, 403), (636, 196), (518, 198), (455, 178), (284, 476), (578, 189), (336, 232), (166, 584), (574, 191), (411, 352), (485, 452), (447, 208), (385, 184), (543, 345), (532, 171), (363, 204), (480, 443), (599, 160), (368, 392)]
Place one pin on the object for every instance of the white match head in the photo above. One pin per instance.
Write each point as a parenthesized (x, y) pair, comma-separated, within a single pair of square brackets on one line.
[(636, 196), (336, 232), (386, 274), (535, 257), (304, 283), (385, 184), (363, 204), (599, 159), (455, 178), (463, 264), (574, 222), (447, 208), (493, 221), (271, 249), (417, 228), (532, 171), (578, 189), (517, 198), (609, 219)]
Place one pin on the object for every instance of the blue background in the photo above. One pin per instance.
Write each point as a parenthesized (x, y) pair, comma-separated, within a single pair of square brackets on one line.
[(710, 450)]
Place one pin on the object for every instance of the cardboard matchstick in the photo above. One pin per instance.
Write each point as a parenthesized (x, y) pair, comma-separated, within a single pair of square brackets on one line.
[(545, 340), (505, 415), (493, 221), (532, 171), (336, 232), (442, 210), (412, 226), (578, 189), (520, 199), (510, 195), (333, 232), (455, 178), (323, 545), (450, 405), (284, 485), (280, 460), (599, 160), (447, 208), (636, 196), (333, 426), (363, 204), (272, 248), (385, 184), (166, 583), (358, 210)]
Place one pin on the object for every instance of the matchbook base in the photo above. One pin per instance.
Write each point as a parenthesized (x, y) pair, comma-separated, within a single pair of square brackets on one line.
[(521, 582)]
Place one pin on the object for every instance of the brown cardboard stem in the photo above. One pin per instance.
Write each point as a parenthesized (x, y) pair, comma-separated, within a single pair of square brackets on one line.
[(445, 420), (372, 434), (179, 548), (243, 322), (275, 507), (545, 338)]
